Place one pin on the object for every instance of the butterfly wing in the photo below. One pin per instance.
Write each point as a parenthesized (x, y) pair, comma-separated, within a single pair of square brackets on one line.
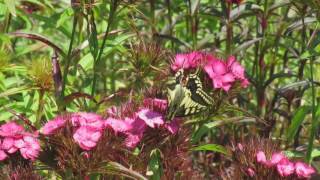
[(187, 100)]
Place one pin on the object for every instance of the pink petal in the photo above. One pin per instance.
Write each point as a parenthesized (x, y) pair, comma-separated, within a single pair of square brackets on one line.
[(285, 168), (3, 155), (303, 170), (151, 118), (19, 143), (132, 140), (261, 157), (276, 158), (173, 126), (118, 125)]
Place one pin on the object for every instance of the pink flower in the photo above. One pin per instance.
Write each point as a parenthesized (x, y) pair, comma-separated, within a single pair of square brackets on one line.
[(276, 158), (173, 126), (118, 125), (156, 103), (187, 61), (87, 137), (240, 147), (51, 126), (251, 172), (237, 70), (303, 170), (285, 168), (219, 73), (261, 157), (8, 145), (31, 148), (151, 118), (87, 119), (11, 129), (132, 140), (3, 155), (194, 58), (134, 135), (180, 61)]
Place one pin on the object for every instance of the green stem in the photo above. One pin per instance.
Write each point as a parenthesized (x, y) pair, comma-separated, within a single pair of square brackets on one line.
[(68, 57), (40, 109), (96, 61), (314, 126)]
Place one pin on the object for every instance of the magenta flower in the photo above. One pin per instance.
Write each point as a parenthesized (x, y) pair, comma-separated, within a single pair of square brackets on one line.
[(87, 137), (160, 104), (11, 129), (180, 61), (218, 72), (261, 157), (118, 125), (285, 167), (303, 170), (151, 118), (31, 148), (173, 126), (132, 140), (237, 70), (3, 155), (224, 74), (87, 119), (187, 61), (51, 126), (8, 145), (276, 158), (251, 172)]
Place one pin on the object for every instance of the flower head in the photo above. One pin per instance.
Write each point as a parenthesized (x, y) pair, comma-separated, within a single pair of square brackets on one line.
[(151, 118), (261, 157), (251, 172), (118, 125), (187, 60), (277, 158), (87, 137), (87, 119), (31, 148), (303, 170), (11, 129), (285, 168), (51, 126)]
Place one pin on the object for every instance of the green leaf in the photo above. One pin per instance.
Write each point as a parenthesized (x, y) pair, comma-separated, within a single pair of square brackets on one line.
[(246, 44), (15, 90), (212, 147), (154, 170), (194, 6), (66, 15), (11, 6), (297, 120)]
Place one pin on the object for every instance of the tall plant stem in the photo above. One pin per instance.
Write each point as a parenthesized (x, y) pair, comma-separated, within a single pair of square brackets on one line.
[(314, 124), (40, 108), (113, 9), (68, 57), (229, 30)]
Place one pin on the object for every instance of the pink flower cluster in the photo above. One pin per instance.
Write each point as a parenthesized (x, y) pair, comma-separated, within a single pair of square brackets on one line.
[(135, 126), (89, 128), (222, 73), (284, 166), (187, 60), (13, 137)]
